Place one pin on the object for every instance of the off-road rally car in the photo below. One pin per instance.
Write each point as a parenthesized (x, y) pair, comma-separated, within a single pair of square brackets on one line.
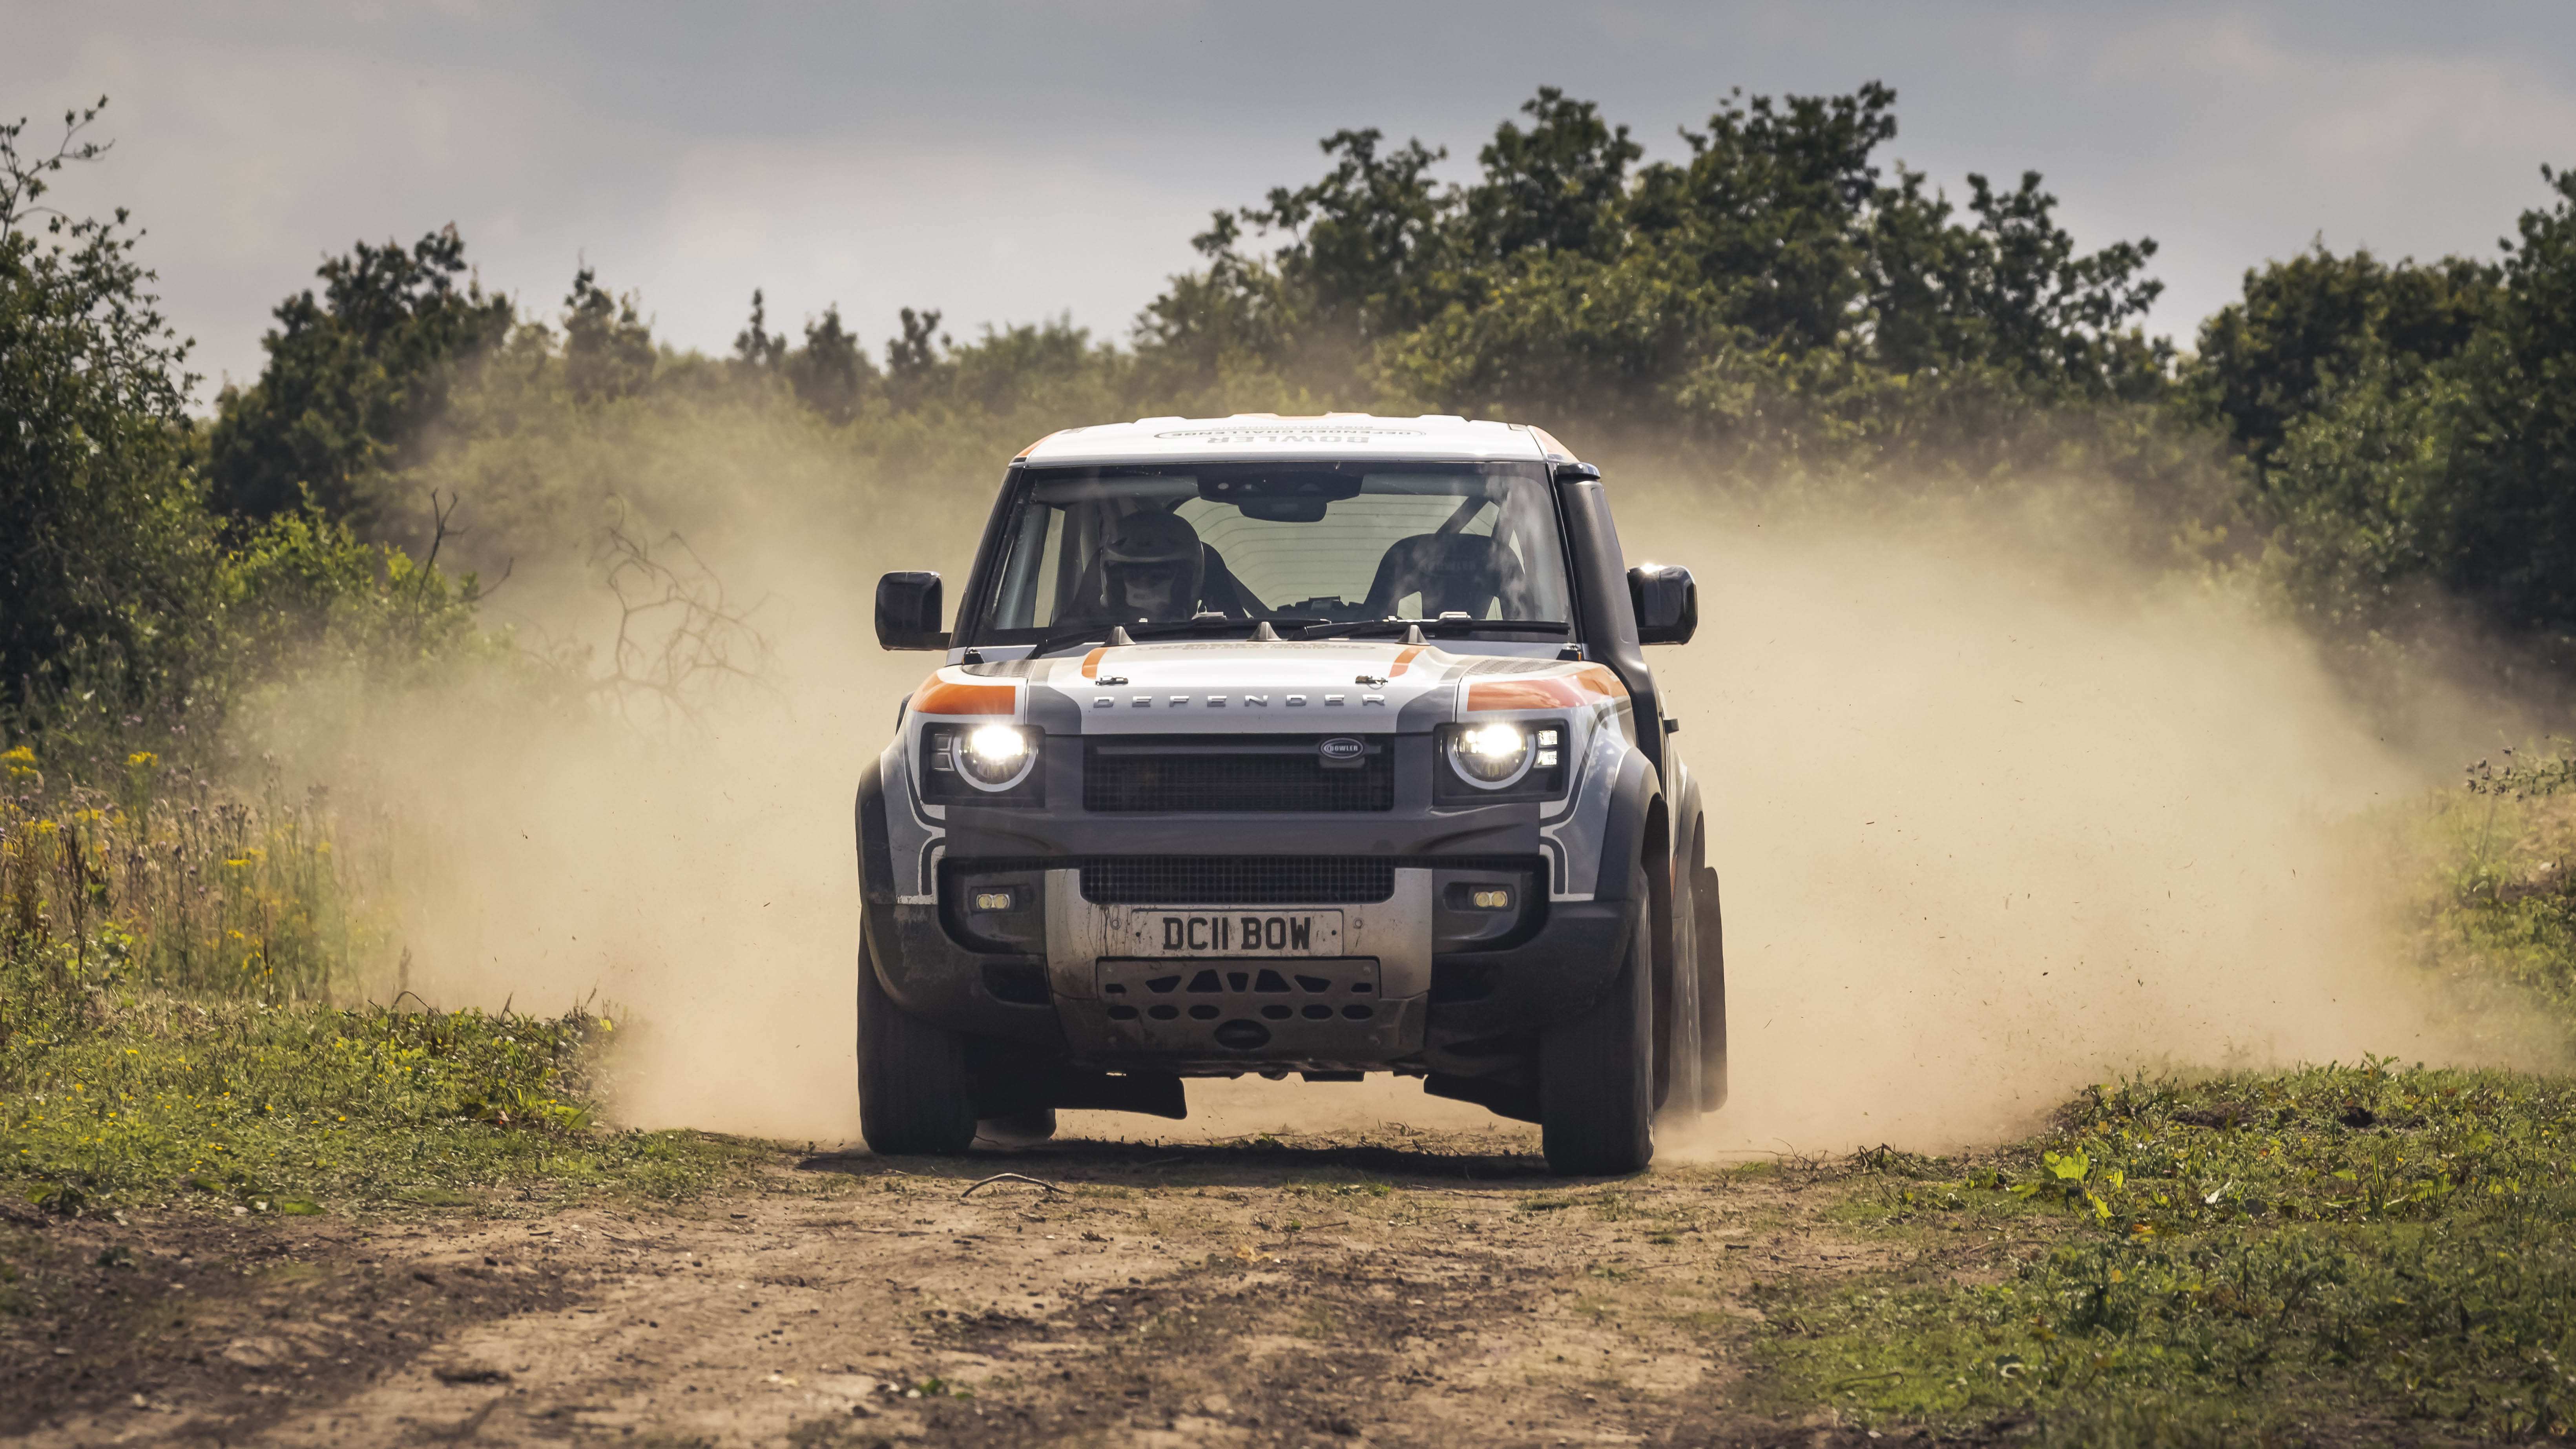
[(1274, 745)]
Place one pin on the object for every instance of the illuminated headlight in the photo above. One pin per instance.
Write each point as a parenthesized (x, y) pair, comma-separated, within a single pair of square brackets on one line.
[(995, 757), (991, 758), (1490, 756)]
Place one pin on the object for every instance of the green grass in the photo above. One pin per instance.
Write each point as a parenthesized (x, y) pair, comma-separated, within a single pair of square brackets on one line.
[(2383, 1253), (302, 1107), (173, 963), (2224, 1256), (2491, 870)]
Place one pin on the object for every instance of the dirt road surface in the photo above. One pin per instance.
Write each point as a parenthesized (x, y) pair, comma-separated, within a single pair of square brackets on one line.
[(1374, 1286)]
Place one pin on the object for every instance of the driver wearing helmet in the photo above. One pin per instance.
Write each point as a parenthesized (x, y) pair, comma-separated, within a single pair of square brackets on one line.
[(1152, 569)]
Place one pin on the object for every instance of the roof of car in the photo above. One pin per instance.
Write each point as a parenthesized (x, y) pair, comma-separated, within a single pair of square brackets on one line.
[(1437, 436)]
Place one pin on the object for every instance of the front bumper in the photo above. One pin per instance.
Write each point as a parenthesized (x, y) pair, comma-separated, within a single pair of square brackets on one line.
[(1392, 994)]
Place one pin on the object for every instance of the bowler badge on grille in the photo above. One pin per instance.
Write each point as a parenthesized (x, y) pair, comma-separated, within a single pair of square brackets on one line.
[(1341, 751)]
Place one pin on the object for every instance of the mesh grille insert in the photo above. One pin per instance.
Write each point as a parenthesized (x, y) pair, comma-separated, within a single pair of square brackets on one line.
[(1233, 774), (1258, 880)]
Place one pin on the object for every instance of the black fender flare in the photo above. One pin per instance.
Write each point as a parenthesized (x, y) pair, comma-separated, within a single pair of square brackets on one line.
[(876, 864), (917, 966), (1636, 839), (1635, 796)]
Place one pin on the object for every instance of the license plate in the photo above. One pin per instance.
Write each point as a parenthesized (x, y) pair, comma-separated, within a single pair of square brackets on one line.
[(1181, 932)]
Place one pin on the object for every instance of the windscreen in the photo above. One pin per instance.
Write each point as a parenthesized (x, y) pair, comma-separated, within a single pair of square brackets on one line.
[(1315, 542)]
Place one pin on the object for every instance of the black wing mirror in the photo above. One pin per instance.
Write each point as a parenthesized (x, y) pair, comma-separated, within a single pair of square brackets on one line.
[(1667, 602), (908, 610)]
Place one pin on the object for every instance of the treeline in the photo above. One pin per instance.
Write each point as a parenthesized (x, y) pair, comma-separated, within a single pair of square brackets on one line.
[(1782, 311)]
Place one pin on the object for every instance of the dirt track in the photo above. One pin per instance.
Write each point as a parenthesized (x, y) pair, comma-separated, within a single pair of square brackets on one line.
[(1381, 1287)]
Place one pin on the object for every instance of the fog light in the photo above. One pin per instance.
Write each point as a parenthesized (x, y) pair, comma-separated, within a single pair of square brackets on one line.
[(992, 900), (1493, 900)]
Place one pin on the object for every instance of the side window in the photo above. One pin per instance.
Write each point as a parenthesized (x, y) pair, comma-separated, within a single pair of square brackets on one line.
[(1028, 595)]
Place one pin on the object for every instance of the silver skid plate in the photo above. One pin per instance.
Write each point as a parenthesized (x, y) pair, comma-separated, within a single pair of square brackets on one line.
[(1308, 1006)]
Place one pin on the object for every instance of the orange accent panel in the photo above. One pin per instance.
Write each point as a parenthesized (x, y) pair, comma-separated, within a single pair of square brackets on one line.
[(1091, 664), (1601, 681), (1033, 447), (1404, 657), (1584, 686), (938, 696), (1525, 694)]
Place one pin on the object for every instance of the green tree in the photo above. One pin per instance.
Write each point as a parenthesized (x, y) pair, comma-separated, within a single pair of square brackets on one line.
[(830, 373), (608, 348), (1772, 210), (352, 379), (1559, 187), (1370, 242), (1777, 274), (755, 346), (2275, 356), (2511, 508), (107, 553)]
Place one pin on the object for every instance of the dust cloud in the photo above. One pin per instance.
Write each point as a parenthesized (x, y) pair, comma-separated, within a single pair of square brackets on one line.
[(1994, 819), (1997, 817)]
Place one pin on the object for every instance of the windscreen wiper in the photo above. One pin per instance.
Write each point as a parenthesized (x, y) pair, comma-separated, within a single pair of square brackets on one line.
[(1175, 629), (1454, 625)]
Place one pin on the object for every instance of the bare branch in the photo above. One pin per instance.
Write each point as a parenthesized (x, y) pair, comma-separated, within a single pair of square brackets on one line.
[(680, 642)]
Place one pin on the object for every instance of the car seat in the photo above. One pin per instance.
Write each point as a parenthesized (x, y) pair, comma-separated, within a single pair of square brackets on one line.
[(1464, 573)]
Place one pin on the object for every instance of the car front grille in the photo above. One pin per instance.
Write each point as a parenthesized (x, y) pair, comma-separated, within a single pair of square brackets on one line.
[(1233, 774), (1236, 880)]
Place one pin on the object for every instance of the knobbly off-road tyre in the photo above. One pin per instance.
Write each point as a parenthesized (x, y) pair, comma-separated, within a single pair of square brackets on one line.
[(1709, 947), (1017, 1129), (1596, 1075), (915, 1094)]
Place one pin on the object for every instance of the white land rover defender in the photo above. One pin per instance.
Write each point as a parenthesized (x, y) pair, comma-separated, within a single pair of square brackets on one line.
[(1276, 745)]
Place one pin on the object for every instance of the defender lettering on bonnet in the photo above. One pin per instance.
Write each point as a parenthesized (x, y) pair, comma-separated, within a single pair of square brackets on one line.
[(1132, 741)]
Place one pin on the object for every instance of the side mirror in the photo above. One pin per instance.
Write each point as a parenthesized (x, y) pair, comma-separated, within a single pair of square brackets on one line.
[(1667, 602), (908, 611)]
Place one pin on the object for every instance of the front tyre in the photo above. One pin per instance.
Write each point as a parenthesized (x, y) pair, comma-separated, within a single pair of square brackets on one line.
[(1596, 1074), (915, 1094)]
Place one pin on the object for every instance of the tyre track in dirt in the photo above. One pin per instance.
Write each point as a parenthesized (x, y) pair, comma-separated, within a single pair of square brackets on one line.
[(1378, 1288)]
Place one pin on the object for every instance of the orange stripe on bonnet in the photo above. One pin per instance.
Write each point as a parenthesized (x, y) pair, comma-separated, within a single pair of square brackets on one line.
[(1588, 685), (939, 696)]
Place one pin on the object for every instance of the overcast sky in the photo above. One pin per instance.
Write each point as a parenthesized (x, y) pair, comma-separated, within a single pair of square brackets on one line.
[(1009, 162)]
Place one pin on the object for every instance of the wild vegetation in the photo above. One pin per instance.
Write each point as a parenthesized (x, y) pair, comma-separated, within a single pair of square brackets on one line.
[(1783, 312), (2218, 1260), (200, 989), (2328, 1250)]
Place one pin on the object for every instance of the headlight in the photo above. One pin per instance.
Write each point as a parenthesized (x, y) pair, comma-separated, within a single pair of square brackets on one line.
[(991, 758), (1490, 756), (996, 757)]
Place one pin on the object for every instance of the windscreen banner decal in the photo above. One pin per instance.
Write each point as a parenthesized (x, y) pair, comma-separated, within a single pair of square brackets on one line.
[(1291, 433)]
